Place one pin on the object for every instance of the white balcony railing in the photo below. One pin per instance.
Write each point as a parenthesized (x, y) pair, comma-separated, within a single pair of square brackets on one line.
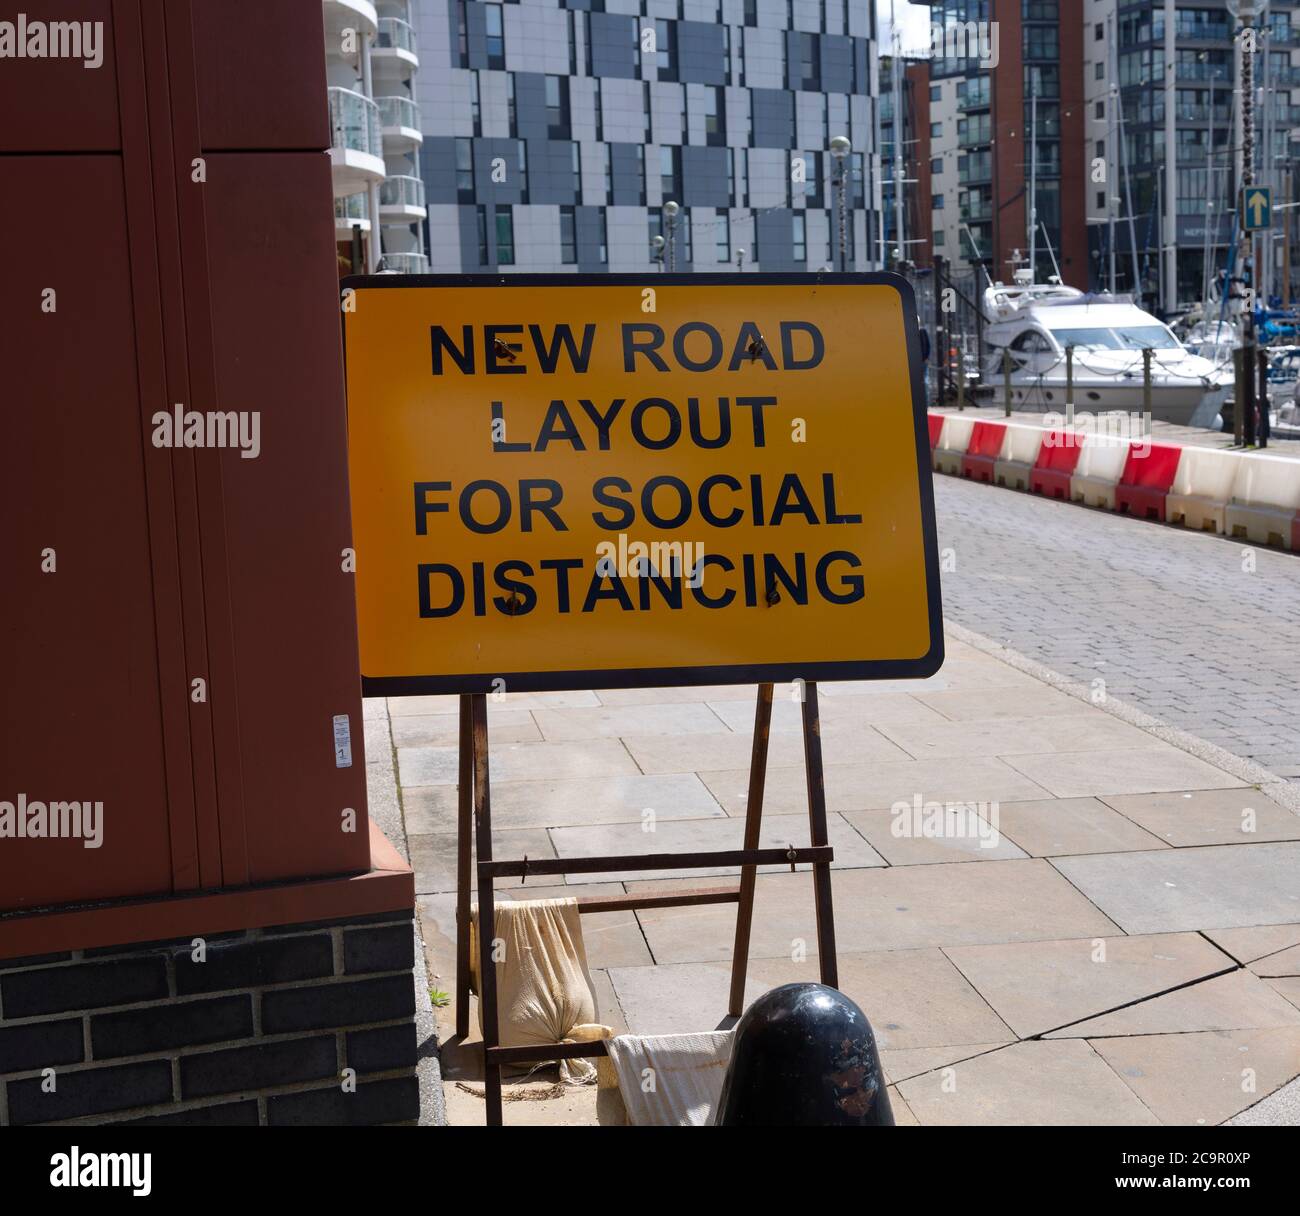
[(401, 190), (354, 122), (352, 207), (405, 263), (399, 112), (396, 35)]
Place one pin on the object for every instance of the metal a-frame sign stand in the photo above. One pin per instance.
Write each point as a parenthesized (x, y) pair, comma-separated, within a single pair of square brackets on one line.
[(474, 815)]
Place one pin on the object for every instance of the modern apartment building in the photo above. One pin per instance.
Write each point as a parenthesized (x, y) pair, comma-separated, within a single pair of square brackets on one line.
[(1167, 207), (1002, 114), (566, 135), (372, 59)]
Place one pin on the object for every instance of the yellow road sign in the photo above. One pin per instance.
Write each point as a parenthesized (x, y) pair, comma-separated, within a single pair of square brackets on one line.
[(572, 482)]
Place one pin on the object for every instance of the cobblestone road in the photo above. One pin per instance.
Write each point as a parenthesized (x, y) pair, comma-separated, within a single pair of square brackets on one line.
[(1175, 622)]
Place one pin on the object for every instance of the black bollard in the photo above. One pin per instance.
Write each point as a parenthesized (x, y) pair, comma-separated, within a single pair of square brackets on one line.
[(804, 1056)]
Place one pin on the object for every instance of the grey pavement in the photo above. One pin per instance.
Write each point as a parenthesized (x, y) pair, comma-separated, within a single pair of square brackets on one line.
[(1201, 632)]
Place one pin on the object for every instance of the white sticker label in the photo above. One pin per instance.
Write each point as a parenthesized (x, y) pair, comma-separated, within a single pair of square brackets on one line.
[(342, 741)]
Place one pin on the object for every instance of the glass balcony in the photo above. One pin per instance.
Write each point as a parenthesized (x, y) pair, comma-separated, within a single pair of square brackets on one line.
[(398, 112), (353, 207), (405, 263), (973, 99), (354, 122), (395, 35), (401, 190)]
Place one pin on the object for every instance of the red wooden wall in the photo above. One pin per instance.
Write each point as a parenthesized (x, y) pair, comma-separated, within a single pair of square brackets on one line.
[(174, 564)]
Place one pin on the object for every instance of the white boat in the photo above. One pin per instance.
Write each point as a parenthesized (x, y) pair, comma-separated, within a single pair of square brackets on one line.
[(1037, 323)]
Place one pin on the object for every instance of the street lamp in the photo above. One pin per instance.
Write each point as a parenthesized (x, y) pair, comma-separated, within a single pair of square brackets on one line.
[(840, 149), (658, 245), (740, 261), (670, 222)]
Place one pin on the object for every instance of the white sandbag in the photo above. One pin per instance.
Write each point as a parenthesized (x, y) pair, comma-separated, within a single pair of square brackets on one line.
[(544, 990), (671, 1080)]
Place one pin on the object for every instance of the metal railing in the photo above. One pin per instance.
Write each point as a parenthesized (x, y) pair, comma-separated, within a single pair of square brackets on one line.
[(354, 122), (401, 190), (395, 34), (398, 112)]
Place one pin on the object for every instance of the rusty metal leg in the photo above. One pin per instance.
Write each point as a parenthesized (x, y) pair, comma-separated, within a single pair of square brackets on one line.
[(464, 869), (812, 754), (487, 975), (753, 829)]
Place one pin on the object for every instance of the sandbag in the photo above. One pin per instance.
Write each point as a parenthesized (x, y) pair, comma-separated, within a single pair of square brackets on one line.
[(544, 990), (668, 1080)]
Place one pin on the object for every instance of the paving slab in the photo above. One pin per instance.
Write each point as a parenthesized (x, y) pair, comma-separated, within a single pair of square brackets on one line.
[(1207, 1077), (1038, 986), (1255, 942), (979, 704), (727, 749), (864, 787), (1220, 887), (905, 1063), (1062, 827), (1288, 987), (518, 762), (433, 855), (1229, 816), (912, 998), (1039, 1083), (613, 721), (1130, 770), (449, 703), (1236, 1001), (1087, 731), (898, 839), (443, 729), (1284, 962), (843, 709), (903, 907), (707, 836), (558, 803)]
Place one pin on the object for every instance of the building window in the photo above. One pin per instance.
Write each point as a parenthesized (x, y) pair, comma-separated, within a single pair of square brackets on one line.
[(496, 42), (523, 171), (715, 117), (576, 161), (475, 108), (599, 104), (938, 236), (505, 236), (1101, 200), (936, 203), (810, 72), (511, 111), (640, 174), (1099, 70), (723, 229), (1099, 110), (480, 215), (557, 107), (812, 187), (568, 236), (936, 92), (1098, 31), (462, 35), (800, 232), (670, 172), (936, 165), (465, 170), (666, 49), (936, 130), (751, 13), (603, 233), (607, 171)]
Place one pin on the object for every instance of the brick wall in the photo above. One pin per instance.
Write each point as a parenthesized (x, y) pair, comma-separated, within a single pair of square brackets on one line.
[(259, 1033)]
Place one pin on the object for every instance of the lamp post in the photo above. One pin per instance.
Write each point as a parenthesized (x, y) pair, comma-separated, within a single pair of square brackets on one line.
[(840, 149), (658, 244), (670, 223), (740, 261)]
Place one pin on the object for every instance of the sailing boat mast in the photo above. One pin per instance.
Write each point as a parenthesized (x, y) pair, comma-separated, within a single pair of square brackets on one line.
[(1033, 173)]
